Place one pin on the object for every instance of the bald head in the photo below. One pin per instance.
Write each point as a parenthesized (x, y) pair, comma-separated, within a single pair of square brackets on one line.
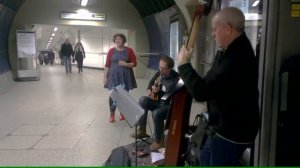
[(232, 16), (227, 25)]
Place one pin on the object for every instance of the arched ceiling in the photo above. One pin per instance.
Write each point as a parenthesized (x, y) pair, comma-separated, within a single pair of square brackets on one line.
[(144, 7), (148, 7), (14, 5)]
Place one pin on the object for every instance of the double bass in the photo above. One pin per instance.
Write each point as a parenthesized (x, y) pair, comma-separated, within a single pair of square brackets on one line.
[(181, 101)]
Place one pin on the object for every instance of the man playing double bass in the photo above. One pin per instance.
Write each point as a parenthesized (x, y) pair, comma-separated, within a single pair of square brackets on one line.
[(230, 89)]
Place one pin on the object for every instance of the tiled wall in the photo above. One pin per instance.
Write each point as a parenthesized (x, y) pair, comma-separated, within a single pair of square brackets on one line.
[(7, 12), (6, 16), (6, 81), (158, 27)]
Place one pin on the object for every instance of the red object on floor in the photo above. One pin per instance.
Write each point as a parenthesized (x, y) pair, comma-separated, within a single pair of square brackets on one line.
[(112, 118), (122, 117)]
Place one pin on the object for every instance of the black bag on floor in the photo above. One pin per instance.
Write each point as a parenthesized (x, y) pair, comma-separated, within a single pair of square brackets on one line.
[(197, 139), (118, 157)]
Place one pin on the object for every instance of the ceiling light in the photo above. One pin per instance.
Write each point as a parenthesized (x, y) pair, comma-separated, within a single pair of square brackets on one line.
[(255, 3), (84, 2), (83, 12), (82, 15), (55, 29), (252, 16), (53, 34), (51, 38)]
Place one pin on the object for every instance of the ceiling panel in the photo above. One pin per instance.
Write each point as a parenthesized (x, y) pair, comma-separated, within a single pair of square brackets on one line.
[(149, 7), (12, 4)]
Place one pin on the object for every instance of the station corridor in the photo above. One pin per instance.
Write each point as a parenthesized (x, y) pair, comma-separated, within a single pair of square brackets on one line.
[(62, 120)]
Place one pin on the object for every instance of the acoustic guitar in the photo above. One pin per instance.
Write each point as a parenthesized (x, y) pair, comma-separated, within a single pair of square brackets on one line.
[(157, 83)]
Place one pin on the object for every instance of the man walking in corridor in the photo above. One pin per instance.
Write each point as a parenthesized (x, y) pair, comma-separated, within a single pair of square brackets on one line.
[(67, 52)]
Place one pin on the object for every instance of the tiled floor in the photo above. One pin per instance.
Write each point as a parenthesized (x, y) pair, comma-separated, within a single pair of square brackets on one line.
[(62, 120)]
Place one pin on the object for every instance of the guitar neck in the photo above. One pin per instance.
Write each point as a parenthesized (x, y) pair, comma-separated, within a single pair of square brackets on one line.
[(194, 31), (195, 27)]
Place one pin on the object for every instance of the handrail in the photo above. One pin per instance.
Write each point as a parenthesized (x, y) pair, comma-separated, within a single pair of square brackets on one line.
[(135, 53)]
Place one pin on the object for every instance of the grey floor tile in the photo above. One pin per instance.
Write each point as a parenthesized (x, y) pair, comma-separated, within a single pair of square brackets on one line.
[(51, 143), (18, 142), (70, 131), (33, 129)]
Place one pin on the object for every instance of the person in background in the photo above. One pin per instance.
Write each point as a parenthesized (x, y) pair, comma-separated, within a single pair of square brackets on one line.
[(120, 61), (230, 88), (66, 52), (41, 58), (162, 82), (61, 57), (51, 57), (79, 55)]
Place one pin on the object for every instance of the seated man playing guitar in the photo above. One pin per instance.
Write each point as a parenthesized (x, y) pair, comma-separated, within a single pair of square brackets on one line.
[(162, 82)]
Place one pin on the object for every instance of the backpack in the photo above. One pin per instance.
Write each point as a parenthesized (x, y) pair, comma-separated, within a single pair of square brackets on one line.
[(197, 139), (118, 157)]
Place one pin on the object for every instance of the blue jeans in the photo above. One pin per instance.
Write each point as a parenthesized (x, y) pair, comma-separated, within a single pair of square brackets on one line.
[(68, 65), (159, 114), (220, 152)]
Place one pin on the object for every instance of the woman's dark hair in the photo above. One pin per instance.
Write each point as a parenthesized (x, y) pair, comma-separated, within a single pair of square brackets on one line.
[(168, 60), (119, 35)]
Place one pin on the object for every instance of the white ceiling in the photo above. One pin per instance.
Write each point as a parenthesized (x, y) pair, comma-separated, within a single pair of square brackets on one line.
[(44, 32)]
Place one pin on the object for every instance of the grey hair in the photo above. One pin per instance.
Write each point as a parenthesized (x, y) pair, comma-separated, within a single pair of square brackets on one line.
[(232, 16)]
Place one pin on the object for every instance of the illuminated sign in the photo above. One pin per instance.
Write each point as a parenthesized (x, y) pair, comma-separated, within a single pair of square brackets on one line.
[(252, 16), (82, 16)]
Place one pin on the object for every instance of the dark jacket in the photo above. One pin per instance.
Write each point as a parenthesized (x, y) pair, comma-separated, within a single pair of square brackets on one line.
[(79, 53), (66, 50), (230, 89), (167, 83)]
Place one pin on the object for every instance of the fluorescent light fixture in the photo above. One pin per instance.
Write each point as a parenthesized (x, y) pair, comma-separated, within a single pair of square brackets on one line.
[(82, 15), (84, 2), (84, 23), (53, 34), (55, 29), (83, 11), (255, 3), (51, 38)]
